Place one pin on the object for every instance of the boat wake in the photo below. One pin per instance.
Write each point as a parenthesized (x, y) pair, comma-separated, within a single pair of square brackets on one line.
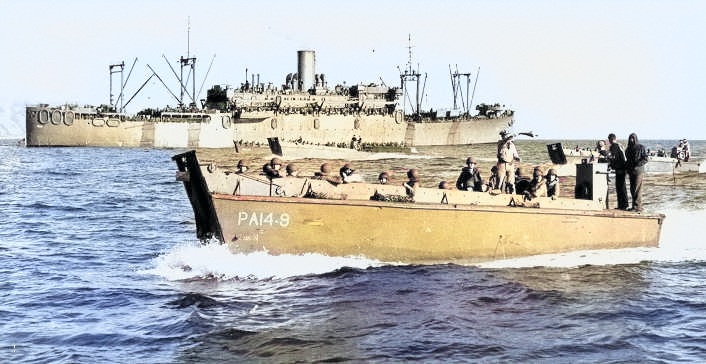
[(680, 241), (215, 261)]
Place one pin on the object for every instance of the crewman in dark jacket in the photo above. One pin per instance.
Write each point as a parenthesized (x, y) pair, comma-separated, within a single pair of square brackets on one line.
[(636, 158), (616, 156), (470, 178)]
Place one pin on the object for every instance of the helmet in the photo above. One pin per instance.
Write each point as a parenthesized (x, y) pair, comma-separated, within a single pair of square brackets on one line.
[(413, 174), (325, 168), (276, 161), (291, 167)]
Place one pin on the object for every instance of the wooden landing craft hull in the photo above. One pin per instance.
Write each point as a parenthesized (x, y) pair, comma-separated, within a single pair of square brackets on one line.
[(421, 233), (298, 215)]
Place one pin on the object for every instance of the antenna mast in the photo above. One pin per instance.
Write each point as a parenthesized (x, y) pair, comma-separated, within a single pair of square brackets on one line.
[(458, 90), (411, 75), (110, 69), (188, 62)]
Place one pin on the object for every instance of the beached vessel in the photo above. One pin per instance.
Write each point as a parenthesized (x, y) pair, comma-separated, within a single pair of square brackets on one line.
[(302, 109), (301, 215)]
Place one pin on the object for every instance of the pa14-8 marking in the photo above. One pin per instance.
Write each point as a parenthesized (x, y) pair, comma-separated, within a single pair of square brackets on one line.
[(262, 219)]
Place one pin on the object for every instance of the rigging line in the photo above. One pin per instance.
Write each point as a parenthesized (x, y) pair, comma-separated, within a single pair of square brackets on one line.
[(122, 88), (140, 89), (474, 88), (164, 84), (183, 88), (206, 76)]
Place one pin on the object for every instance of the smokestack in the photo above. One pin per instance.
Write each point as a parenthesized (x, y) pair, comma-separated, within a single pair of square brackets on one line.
[(307, 70)]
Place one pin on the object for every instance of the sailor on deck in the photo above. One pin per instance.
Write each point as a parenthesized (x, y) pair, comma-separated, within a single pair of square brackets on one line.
[(617, 160), (507, 155)]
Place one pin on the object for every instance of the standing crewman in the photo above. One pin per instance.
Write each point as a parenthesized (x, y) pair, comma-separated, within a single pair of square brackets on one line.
[(507, 155), (616, 156), (635, 159)]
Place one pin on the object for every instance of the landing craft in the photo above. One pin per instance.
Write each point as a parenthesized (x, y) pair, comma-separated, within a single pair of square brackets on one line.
[(293, 215)]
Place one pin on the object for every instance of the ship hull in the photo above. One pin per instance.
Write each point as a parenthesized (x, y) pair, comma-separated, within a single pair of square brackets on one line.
[(373, 129), (419, 233), (59, 127)]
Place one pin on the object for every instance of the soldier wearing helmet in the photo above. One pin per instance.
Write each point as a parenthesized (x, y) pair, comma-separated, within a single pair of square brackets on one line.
[(271, 169), (470, 178), (242, 166), (383, 177), (292, 170), (412, 181), (346, 172)]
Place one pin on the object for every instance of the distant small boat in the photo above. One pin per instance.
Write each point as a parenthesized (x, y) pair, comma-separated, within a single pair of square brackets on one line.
[(384, 222)]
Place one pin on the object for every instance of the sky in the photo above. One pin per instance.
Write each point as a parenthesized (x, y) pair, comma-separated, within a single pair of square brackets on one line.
[(570, 69)]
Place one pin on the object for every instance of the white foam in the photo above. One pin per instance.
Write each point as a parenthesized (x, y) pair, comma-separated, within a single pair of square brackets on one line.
[(186, 261), (682, 239)]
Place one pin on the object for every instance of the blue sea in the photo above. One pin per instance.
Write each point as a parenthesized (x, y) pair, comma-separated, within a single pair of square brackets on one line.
[(99, 263)]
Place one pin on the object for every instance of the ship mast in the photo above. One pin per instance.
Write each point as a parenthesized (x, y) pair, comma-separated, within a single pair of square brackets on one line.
[(456, 78), (411, 75), (121, 65), (188, 62)]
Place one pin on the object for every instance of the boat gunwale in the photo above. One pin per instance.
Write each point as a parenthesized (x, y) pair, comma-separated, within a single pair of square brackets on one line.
[(441, 206)]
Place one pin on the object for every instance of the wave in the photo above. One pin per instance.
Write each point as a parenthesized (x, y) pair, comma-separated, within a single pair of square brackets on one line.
[(189, 261)]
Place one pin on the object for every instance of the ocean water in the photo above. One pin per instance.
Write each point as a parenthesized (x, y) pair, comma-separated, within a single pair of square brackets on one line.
[(99, 264)]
